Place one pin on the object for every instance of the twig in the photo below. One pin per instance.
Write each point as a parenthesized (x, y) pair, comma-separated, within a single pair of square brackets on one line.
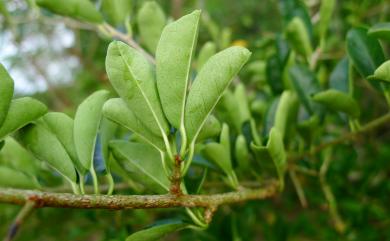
[(117, 202), (23, 214)]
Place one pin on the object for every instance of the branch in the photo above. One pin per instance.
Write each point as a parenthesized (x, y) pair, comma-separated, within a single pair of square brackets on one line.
[(27, 209), (116, 202), (385, 119)]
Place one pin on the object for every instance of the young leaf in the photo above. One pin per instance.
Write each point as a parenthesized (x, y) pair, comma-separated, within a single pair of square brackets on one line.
[(209, 85), (173, 57), (6, 93), (364, 51), (207, 50), (117, 111), (218, 154), (225, 137), (326, 11), (116, 11), (382, 73), (380, 30), (286, 111), (133, 78), (240, 95), (241, 152), (305, 84), (86, 125), (11, 178), (62, 126), (46, 147), (211, 128), (299, 37), (227, 110), (80, 9), (21, 112), (274, 151), (157, 232), (142, 162), (151, 21), (338, 101)]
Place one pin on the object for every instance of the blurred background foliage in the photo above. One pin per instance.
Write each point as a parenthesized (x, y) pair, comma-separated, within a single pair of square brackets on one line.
[(60, 62)]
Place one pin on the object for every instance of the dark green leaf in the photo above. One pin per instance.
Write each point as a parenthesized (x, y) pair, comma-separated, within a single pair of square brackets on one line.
[(380, 30), (157, 232), (339, 78)]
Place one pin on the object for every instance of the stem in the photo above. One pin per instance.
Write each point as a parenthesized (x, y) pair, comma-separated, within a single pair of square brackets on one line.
[(27, 209), (94, 180), (111, 183), (82, 178), (117, 202)]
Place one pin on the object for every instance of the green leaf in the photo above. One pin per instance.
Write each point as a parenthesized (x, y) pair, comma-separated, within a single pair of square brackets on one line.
[(143, 163), (212, 127), (382, 73), (15, 156), (209, 85), (326, 10), (80, 9), (364, 51), (86, 126), (226, 110), (62, 126), (151, 21), (173, 57), (296, 8), (339, 78), (241, 152), (207, 50), (274, 72), (133, 78), (217, 153), (380, 30), (338, 101), (46, 147), (117, 111), (225, 137), (6, 93), (116, 11), (240, 95), (21, 112), (11, 178), (157, 232), (305, 84), (274, 151), (286, 112), (108, 129), (299, 38)]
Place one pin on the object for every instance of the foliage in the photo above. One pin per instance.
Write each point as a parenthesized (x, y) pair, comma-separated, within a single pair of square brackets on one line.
[(195, 104)]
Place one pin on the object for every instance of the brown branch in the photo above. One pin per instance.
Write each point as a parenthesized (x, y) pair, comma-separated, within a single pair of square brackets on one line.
[(116, 202)]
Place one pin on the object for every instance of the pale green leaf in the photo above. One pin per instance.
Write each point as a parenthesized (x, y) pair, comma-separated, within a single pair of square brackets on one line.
[(211, 128), (173, 56), (21, 112), (382, 73), (86, 125), (108, 129), (116, 11), (117, 111), (298, 36), (209, 85), (151, 21), (133, 78), (286, 111), (380, 30), (6, 93), (143, 163), (240, 95), (217, 153), (46, 147), (241, 152), (62, 126)]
